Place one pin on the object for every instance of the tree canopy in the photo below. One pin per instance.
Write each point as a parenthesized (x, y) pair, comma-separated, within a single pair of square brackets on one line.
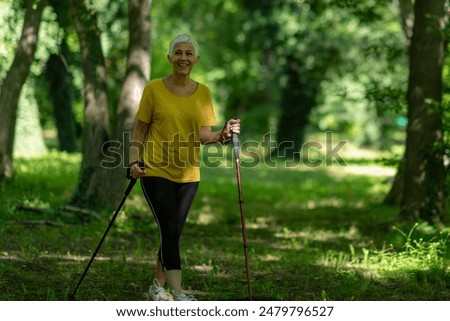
[(286, 68)]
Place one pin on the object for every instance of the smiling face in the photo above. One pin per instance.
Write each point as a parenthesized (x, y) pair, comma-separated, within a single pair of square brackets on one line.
[(183, 58)]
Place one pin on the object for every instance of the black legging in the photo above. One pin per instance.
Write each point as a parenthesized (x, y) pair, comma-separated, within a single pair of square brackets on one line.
[(170, 203)]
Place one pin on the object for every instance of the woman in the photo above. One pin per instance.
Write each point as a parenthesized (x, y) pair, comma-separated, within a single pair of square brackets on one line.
[(175, 116)]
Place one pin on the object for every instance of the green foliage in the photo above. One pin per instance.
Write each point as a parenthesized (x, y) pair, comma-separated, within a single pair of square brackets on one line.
[(367, 93), (113, 23), (9, 35), (326, 222), (420, 263), (360, 61), (49, 40), (29, 136), (420, 254)]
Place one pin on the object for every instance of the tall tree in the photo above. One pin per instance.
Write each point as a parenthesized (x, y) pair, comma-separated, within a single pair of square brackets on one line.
[(298, 98), (136, 76), (394, 196), (14, 81), (96, 115), (301, 51), (60, 84), (424, 171), (279, 32)]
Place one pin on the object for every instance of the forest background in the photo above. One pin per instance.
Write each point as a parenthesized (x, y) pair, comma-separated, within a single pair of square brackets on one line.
[(344, 106)]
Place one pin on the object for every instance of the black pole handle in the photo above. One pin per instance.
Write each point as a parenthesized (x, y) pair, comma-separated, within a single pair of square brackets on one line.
[(132, 179)]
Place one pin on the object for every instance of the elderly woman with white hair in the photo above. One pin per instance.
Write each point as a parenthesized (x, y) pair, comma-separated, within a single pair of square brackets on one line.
[(175, 116)]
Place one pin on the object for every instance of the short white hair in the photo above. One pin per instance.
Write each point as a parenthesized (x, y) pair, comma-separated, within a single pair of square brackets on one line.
[(184, 38)]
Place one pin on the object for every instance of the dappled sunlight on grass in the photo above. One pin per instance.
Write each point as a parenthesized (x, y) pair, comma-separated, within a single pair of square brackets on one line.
[(202, 268), (270, 258), (368, 170), (305, 238), (205, 214), (322, 235), (328, 202), (205, 218), (417, 265), (313, 234), (8, 257), (261, 222)]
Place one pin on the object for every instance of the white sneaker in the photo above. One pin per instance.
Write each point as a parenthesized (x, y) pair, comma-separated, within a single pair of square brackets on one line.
[(157, 293), (183, 296)]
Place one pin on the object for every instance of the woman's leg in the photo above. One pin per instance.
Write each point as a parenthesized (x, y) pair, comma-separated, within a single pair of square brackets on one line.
[(160, 274), (170, 203), (185, 196)]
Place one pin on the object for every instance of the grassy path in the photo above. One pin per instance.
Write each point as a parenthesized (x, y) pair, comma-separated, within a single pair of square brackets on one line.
[(314, 234)]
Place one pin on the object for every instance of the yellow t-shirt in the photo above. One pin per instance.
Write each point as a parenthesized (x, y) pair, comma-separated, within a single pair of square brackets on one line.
[(172, 149)]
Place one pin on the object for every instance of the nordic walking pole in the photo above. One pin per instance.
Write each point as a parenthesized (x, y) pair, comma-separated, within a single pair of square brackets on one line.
[(241, 201), (111, 222)]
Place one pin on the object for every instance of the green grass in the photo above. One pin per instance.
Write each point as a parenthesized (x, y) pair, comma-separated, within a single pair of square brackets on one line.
[(313, 234)]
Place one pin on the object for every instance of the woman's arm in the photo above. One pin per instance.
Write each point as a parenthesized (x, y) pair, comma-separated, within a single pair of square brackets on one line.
[(207, 136), (137, 146)]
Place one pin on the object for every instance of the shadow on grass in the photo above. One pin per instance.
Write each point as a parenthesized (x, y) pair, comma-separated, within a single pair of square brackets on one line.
[(282, 278), (308, 232)]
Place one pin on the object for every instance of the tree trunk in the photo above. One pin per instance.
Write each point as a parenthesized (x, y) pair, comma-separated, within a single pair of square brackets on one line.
[(61, 93), (13, 83), (394, 197), (137, 75), (424, 178), (96, 116), (298, 99), (60, 83)]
